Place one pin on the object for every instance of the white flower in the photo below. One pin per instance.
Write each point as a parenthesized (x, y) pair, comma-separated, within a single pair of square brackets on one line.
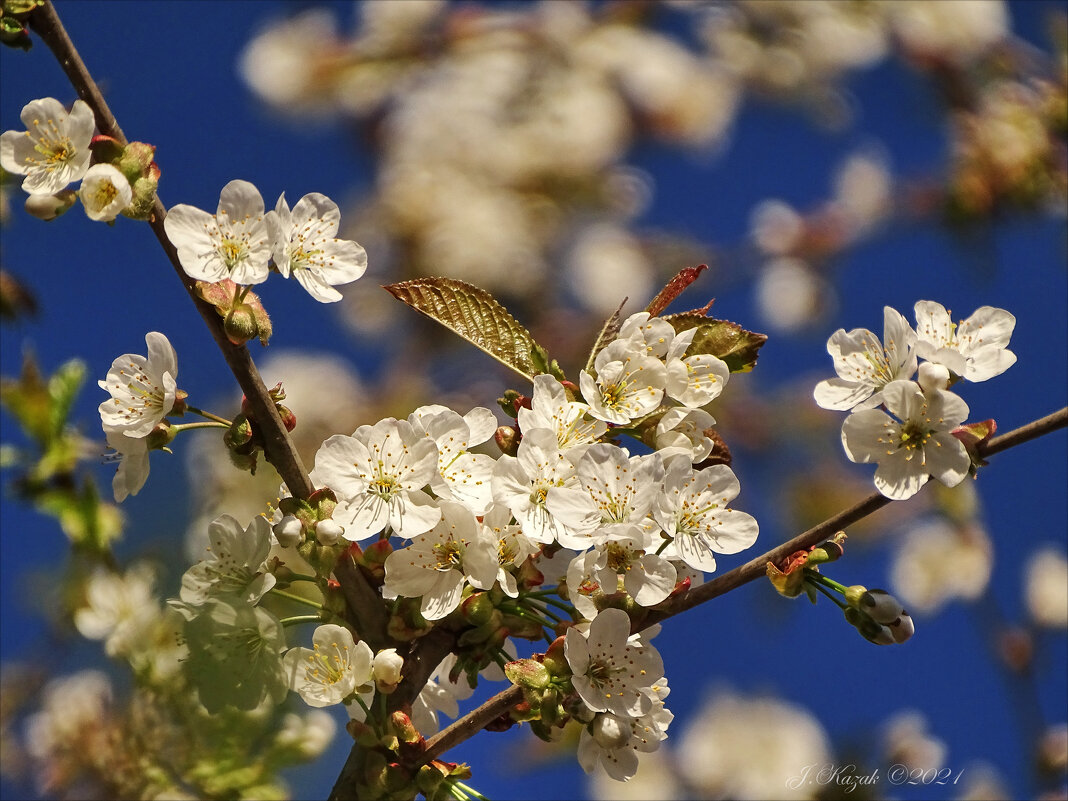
[(457, 550), (693, 380), (610, 673), (975, 348), (232, 243), (463, 476), (70, 705), (540, 488), (629, 383), (915, 446), (865, 365), (739, 747), (513, 546), (142, 389), (550, 408), (681, 431), (303, 242), (119, 609), (236, 565), (105, 192), (1047, 588), (331, 669), (614, 742), (234, 653), (132, 472), (627, 557), (623, 487), (937, 562), (656, 333), (378, 475), (693, 510), (53, 151)]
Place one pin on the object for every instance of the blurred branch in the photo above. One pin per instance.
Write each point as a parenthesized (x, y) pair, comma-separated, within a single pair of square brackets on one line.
[(474, 721), (278, 447)]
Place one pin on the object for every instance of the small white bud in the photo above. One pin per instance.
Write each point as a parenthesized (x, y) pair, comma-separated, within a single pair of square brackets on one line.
[(610, 731), (327, 532), (933, 376), (387, 669), (289, 532)]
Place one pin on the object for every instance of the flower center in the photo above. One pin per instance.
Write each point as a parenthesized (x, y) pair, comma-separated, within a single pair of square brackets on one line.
[(449, 554), (913, 436)]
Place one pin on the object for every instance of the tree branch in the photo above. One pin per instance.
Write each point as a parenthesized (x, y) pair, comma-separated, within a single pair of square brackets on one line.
[(476, 720), (365, 604)]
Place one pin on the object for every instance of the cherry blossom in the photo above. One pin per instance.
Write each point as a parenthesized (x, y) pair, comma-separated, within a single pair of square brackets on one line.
[(913, 445), (233, 243), (142, 388), (304, 243), (53, 151)]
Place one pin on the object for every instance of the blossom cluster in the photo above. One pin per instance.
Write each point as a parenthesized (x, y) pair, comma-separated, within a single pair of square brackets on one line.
[(239, 241), (53, 152), (459, 528), (916, 437)]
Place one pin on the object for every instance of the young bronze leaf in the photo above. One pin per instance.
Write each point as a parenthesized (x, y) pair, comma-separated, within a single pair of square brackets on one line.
[(473, 314), (722, 338), (674, 288)]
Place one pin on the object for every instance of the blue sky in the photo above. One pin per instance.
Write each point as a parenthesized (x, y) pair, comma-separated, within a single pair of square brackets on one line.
[(168, 71)]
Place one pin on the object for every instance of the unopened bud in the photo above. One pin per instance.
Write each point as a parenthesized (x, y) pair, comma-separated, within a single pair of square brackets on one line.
[(289, 420), (387, 670), (289, 532), (240, 324), (328, 532), (933, 377), (880, 606), (507, 439), (48, 207), (610, 731)]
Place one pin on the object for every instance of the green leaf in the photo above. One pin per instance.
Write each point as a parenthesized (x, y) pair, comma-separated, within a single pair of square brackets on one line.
[(63, 387), (722, 338), (27, 400), (475, 315)]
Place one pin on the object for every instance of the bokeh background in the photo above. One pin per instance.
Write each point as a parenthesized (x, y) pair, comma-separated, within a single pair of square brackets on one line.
[(826, 159)]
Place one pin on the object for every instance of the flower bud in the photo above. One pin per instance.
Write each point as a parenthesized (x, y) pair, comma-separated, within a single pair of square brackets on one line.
[(289, 420), (48, 207), (880, 606), (507, 439), (240, 324), (328, 532), (289, 532), (933, 377), (477, 608), (387, 670), (902, 628), (868, 628), (610, 731)]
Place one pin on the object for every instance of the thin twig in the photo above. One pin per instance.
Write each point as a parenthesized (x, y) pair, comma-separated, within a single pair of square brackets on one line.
[(477, 719)]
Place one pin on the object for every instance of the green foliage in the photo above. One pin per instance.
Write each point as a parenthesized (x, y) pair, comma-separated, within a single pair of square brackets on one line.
[(48, 476)]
